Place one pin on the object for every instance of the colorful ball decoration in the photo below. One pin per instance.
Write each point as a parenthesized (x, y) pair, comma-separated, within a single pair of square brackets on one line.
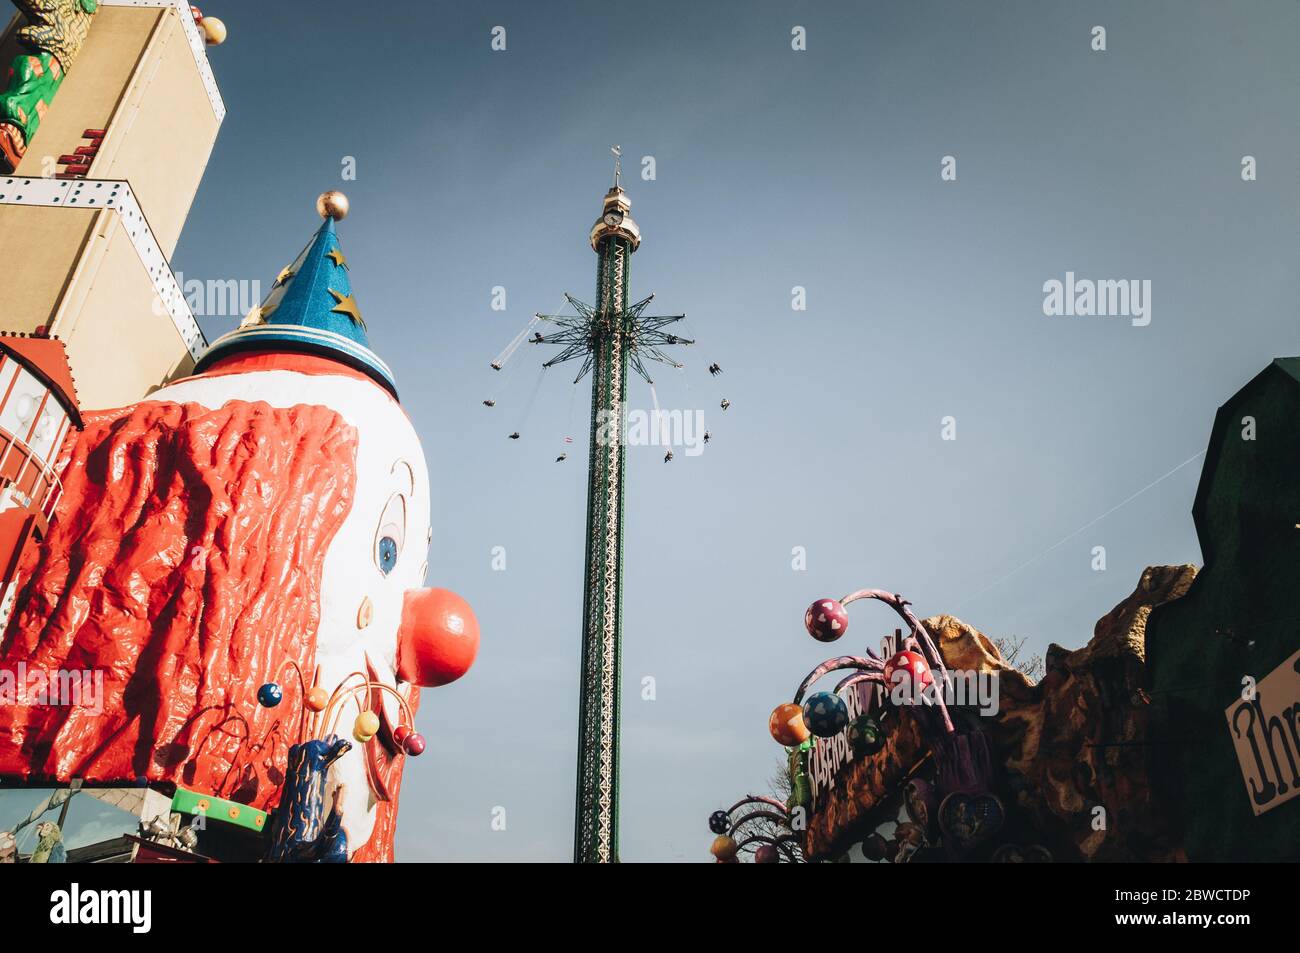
[(865, 736), (332, 204), (826, 620), (787, 726), (719, 822), (767, 854), (825, 714), (724, 848), (214, 31), (916, 671), (317, 698), (414, 744), (270, 695), (366, 726)]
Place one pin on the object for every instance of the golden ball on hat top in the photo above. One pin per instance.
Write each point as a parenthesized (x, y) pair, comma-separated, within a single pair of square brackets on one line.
[(332, 204), (214, 31)]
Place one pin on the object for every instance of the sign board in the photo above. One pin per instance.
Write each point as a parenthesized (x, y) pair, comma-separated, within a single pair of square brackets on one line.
[(1265, 732), (829, 755)]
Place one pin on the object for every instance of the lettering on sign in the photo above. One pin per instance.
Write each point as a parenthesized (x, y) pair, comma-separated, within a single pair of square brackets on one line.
[(1264, 731)]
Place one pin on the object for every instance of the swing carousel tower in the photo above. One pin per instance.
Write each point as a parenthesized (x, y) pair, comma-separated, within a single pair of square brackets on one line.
[(611, 338)]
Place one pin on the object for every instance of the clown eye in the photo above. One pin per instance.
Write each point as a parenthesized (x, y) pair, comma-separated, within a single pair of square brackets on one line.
[(387, 556), (391, 534)]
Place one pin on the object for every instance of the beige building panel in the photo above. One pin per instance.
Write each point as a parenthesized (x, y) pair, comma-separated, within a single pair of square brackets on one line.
[(40, 248), (121, 345), (76, 272), (137, 79)]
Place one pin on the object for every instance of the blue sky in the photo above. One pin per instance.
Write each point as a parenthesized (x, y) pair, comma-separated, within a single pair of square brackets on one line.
[(774, 169)]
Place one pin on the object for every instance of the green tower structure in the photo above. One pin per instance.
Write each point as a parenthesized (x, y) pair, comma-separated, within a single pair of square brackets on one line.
[(611, 338)]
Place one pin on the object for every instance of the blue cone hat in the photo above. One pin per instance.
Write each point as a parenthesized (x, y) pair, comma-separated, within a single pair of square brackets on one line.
[(310, 309)]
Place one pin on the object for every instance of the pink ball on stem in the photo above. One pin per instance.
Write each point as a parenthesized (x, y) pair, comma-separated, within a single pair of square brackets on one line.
[(826, 620)]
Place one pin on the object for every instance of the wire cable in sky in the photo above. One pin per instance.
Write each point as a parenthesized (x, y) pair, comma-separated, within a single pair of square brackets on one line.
[(1065, 539)]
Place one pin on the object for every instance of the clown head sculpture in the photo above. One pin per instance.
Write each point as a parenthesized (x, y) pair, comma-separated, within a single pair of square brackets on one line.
[(243, 556)]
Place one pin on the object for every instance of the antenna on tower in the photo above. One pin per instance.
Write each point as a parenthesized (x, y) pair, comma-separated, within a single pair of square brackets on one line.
[(617, 152)]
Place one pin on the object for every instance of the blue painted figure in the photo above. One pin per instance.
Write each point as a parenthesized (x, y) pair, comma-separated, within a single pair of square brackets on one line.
[(301, 833)]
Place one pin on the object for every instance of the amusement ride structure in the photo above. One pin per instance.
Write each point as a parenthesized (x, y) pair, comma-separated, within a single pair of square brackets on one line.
[(608, 338), (611, 338)]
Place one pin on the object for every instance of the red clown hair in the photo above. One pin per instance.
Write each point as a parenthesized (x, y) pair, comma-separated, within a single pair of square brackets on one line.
[(184, 563)]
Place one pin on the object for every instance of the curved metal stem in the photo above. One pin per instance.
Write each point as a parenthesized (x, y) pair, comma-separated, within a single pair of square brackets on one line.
[(857, 678), (340, 694), (918, 638), (902, 607), (759, 799), (770, 815), (866, 664), (402, 702)]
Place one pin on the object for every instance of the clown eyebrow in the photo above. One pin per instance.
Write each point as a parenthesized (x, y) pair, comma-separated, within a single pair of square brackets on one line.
[(410, 474)]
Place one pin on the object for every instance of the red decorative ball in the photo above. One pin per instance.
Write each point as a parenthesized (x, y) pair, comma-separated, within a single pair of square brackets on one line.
[(915, 671), (438, 638), (197, 14), (826, 620), (766, 854), (401, 733), (414, 744)]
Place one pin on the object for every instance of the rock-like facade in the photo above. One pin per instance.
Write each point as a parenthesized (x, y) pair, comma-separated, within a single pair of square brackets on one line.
[(1076, 741)]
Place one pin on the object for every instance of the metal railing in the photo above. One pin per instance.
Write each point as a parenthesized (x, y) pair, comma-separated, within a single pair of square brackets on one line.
[(46, 488)]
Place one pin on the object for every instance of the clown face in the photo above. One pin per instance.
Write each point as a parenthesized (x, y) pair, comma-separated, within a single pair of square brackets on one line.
[(240, 557), (264, 522), (374, 617)]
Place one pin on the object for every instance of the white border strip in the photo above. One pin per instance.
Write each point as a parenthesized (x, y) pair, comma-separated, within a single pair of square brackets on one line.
[(198, 45), (108, 193), (312, 335)]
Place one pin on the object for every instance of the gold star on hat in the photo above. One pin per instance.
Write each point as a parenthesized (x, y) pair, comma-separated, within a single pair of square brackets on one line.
[(346, 304), (340, 260)]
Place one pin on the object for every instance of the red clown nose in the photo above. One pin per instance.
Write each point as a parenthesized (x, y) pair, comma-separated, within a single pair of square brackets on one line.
[(438, 639)]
